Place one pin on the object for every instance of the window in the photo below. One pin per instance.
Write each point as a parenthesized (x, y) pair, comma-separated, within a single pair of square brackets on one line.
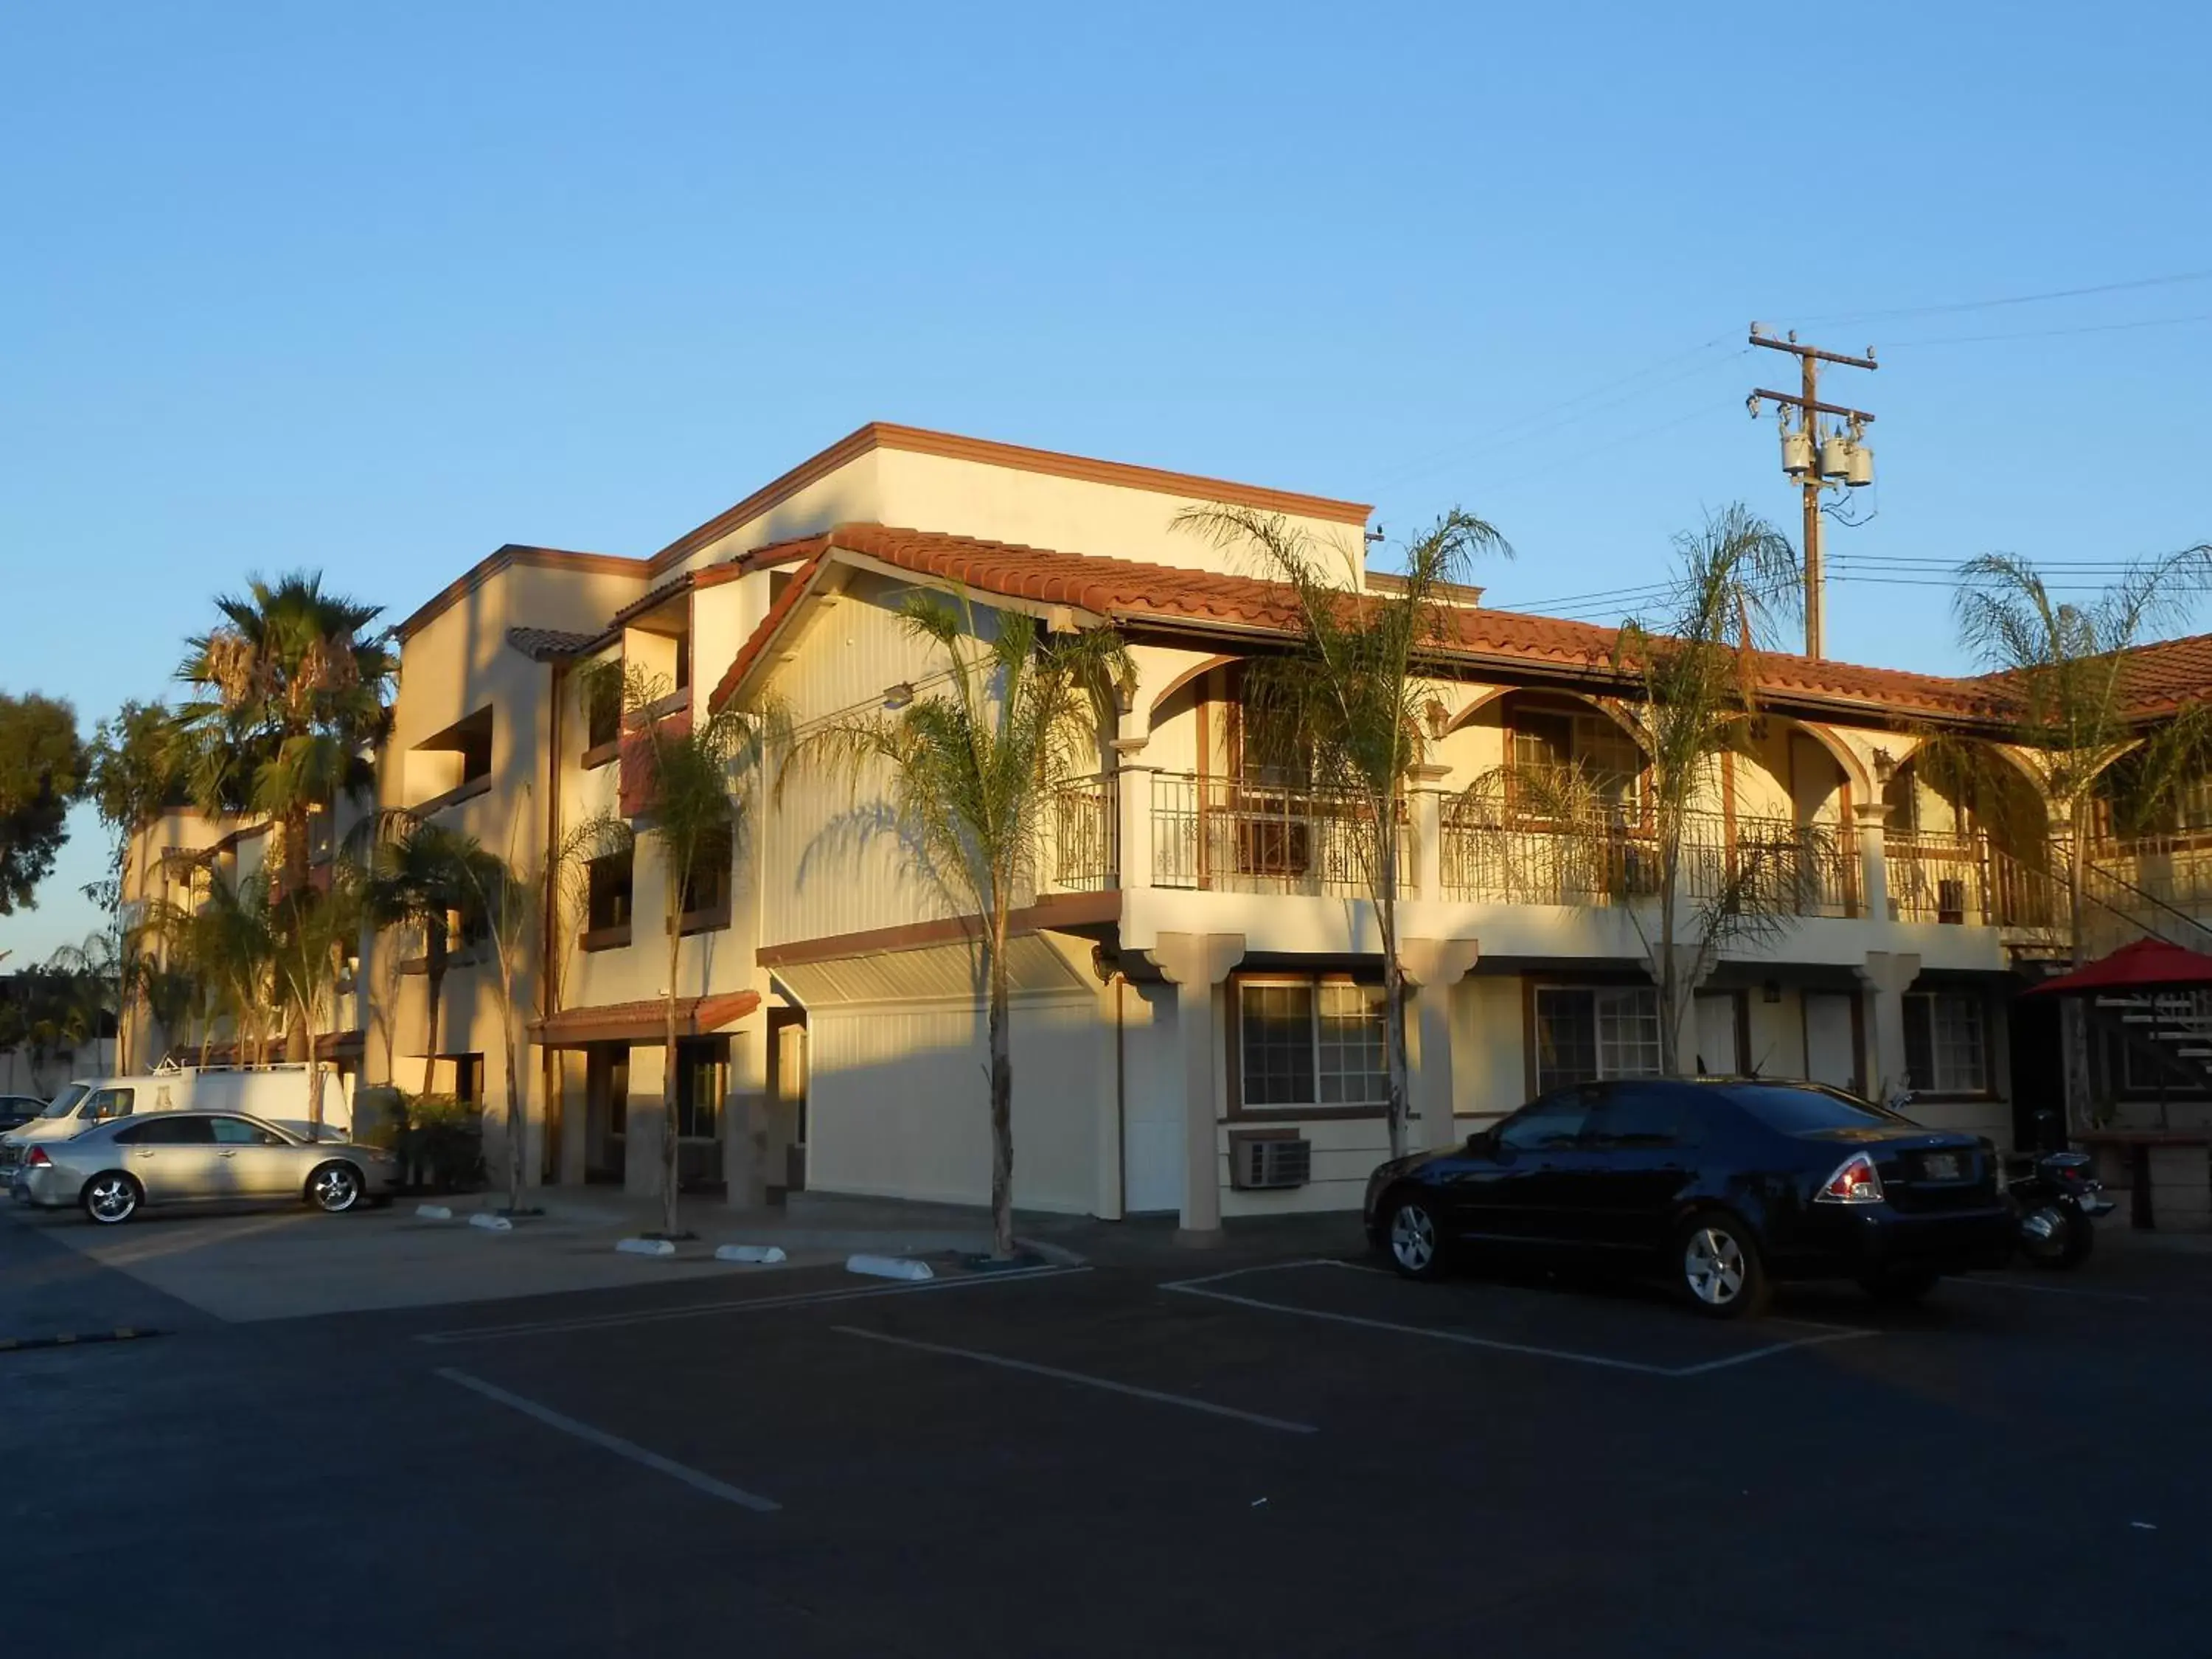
[(609, 884), (603, 694), (107, 1103), (1549, 745), (1311, 1043), (237, 1131), (1946, 1052), (166, 1130), (468, 1078), (702, 1068), (1794, 1110), (1643, 1115), (706, 883), (1546, 1124), (1586, 1033)]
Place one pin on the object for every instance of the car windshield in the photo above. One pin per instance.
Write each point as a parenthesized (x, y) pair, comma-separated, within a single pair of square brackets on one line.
[(1795, 1111), (66, 1101)]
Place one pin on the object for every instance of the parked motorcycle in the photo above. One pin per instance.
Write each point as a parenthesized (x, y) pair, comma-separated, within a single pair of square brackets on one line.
[(2058, 1201)]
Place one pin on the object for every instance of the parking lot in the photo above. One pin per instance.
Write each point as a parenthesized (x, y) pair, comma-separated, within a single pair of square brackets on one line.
[(1257, 1450)]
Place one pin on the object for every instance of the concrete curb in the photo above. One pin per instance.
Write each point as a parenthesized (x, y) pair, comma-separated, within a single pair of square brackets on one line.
[(887, 1267), (491, 1223), (657, 1246), (433, 1213), (759, 1255)]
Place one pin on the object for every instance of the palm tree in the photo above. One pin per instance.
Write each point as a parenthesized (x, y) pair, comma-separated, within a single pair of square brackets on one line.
[(292, 696), (1740, 580), (691, 784), (1342, 713), (231, 941), (972, 773), (314, 930), (423, 875), (2064, 669)]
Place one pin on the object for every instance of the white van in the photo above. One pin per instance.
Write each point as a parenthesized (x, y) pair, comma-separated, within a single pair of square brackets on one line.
[(277, 1094)]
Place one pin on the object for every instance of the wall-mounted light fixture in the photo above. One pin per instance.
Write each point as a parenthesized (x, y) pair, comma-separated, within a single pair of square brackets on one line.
[(1771, 992), (897, 697)]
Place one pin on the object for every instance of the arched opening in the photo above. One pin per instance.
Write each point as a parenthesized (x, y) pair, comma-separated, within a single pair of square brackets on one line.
[(1967, 838)]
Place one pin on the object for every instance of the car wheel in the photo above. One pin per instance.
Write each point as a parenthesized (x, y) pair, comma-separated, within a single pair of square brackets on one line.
[(1411, 1235), (334, 1189), (1899, 1289), (112, 1199), (1718, 1265)]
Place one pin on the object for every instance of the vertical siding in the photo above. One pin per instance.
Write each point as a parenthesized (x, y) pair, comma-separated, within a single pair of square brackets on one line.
[(898, 1103), (835, 866)]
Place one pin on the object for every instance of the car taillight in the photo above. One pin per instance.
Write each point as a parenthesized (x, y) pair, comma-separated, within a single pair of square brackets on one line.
[(1856, 1182), (37, 1159)]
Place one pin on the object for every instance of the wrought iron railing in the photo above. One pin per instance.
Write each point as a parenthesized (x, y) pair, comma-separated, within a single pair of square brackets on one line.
[(1229, 835), (1493, 855), (1937, 875), (1084, 827)]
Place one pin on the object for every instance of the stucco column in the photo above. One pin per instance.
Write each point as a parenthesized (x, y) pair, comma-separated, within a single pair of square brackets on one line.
[(744, 1116), (648, 1063), (1869, 816), (1886, 975), (1683, 1015), (1435, 966), (1196, 963), (1428, 814), (1133, 804)]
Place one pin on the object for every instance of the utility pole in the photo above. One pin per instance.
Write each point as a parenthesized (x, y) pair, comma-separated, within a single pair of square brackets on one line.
[(1816, 462)]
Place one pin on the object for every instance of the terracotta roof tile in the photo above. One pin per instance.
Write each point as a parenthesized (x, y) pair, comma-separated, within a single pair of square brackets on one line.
[(544, 644), (1130, 592)]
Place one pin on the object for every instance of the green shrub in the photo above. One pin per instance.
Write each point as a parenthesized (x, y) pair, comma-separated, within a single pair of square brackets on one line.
[(439, 1138)]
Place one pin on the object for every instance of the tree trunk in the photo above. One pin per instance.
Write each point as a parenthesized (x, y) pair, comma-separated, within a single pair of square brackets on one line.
[(668, 1148), (314, 1072), (1670, 1058), (2074, 1014), (1397, 1064), (434, 984), (1002, 1095), (515, 1136)]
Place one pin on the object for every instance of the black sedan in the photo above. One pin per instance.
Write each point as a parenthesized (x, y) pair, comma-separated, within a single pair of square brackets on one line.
[(16, 1111), (1723, 1186)]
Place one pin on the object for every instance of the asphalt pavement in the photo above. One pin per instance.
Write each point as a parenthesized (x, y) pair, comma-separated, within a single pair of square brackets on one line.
[(1272, 1448)]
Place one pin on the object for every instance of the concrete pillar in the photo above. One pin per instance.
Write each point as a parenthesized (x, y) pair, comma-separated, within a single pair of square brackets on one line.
[(642, 1154), (1196, 963), (1869, 817), (1427, 809), (1886, 975), (1133, 804), (745, 1117), (568, 1076), (1682, 1017), (1435, 966)]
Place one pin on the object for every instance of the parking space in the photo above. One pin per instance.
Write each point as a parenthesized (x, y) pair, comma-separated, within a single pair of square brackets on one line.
[(1302, 1455)]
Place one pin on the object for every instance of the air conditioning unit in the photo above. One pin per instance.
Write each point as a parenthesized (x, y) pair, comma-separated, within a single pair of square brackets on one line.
[(1259, 1165)]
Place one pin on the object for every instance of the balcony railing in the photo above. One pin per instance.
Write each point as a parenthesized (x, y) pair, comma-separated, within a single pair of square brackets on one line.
[(1958, 876), (1228, 835), (1084, 826), (1775, 866)]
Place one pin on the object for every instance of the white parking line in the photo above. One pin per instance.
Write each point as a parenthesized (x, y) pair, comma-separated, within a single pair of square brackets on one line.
[(1462, 1339), (615, 1443), (748, 1304), (1057, 1375)]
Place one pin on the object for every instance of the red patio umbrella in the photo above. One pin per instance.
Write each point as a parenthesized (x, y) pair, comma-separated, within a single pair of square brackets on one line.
[(2148, 964)]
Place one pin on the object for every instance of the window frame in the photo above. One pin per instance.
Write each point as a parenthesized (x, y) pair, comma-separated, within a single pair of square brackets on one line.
[(1923, 1005), (1235, 1108), (1537, 1083)]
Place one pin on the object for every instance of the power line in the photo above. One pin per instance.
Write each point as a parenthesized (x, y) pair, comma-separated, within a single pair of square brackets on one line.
[(1514, 431), (2052, 333), (2014, 299)]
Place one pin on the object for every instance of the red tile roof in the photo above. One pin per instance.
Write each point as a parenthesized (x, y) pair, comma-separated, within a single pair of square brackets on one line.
[(1129, 592)]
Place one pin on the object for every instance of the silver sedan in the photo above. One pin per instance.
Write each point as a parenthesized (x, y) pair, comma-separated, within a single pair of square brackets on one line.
[(116, 1168)]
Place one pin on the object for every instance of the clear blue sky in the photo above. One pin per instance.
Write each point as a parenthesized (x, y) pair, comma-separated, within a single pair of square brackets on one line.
[(376, 288)]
